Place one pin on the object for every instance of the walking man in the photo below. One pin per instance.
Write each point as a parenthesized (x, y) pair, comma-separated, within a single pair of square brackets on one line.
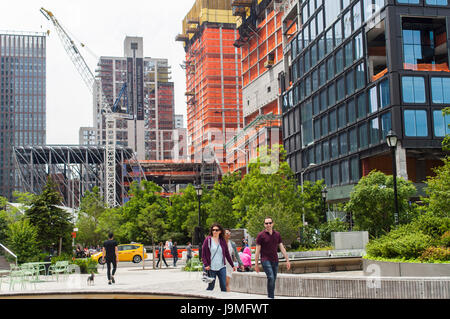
[(111, 254), (267, 243), (188, 252)]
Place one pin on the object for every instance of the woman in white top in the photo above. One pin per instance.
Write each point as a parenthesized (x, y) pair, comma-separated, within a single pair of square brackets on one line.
[(234, 255)]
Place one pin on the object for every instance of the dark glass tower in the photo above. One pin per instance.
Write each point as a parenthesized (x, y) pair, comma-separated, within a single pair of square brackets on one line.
[(22, 99), (357, 69)]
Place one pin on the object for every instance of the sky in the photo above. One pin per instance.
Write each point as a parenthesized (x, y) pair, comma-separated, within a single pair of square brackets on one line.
[(101, 25)]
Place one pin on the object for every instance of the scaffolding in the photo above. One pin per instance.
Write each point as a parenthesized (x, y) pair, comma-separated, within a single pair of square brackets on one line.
[(213, 77), (74, 169)]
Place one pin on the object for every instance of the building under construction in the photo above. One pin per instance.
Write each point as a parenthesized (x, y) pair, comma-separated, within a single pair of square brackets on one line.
[(74, 169), (213, 79), (260, 42)]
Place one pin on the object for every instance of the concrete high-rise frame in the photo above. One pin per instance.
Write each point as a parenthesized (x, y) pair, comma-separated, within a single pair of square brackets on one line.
[(213, 79)]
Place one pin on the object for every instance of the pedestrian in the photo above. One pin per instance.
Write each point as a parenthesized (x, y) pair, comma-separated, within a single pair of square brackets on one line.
[(234, 255), (267, 243), (215, 254), (161, 255), (110, 255), (246, 257), (175, 254), (188, 252)]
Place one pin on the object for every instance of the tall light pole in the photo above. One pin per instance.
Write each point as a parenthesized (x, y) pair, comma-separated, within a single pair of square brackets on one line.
[(197, 231), (392, 140)]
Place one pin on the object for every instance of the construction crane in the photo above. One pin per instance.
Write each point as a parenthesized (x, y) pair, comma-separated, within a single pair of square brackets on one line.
[(91, 82)]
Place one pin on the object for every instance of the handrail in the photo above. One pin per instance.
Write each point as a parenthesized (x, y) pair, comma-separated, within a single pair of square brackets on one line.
[(9, 251)]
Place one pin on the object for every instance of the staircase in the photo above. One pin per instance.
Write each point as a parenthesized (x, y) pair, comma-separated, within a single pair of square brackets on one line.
[(4, 264)]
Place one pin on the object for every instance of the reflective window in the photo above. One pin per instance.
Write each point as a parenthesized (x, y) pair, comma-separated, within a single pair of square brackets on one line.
[(334, 147), (342, 116), (333, 125), (415, 123), (353, 140), (440, 90), (362, 106), (413, 89), (344, 172), (441, 124), (385, 96), (360, 76), (351, 111), (373, 99), (348, 24), (386, 124), (348, 54), (340, 88), (326, 151), (349, 78), (363, 138), (329, 41), (338, 33), (357, 15), (354, 169), (343, 143), (437, 2), (374, 131), (339, 61)]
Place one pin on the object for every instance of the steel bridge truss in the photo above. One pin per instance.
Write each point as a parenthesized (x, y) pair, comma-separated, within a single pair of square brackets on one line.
[(75, 170)]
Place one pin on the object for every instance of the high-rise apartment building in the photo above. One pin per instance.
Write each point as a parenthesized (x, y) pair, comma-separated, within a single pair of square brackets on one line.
[(355, 70), (146, 95), (22, 99), (213, 79)]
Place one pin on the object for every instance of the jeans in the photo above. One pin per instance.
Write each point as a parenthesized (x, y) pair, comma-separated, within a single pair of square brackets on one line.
[(222, 274), (108, 267), (271, 270)]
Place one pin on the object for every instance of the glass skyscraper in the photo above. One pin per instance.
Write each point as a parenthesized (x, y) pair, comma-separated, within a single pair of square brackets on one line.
[(22, 99), (356, 70)]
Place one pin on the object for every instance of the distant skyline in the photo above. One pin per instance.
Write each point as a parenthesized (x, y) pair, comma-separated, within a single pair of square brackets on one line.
[(102, 26)]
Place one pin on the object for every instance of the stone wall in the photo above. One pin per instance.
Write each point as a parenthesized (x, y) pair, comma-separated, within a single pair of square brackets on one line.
[(354, 287)]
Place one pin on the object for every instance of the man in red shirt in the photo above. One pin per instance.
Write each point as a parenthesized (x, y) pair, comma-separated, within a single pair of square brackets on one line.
[(267, 243)]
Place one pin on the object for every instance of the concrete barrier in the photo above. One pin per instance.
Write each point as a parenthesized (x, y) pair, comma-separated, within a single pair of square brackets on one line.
[(399, 269), (350, 287)]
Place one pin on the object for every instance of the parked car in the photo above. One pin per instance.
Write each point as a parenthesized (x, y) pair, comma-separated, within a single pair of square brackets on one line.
[(127, 252)]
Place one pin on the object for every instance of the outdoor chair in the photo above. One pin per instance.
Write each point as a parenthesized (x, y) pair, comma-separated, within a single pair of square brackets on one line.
[(59, 268)]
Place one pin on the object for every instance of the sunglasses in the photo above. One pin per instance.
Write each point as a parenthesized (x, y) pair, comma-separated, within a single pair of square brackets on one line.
[(216, 229), (269, 223)]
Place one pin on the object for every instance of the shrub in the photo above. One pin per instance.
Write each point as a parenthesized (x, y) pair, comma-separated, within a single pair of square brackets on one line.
[(87, 265), (399, 244), (432, 254), (445, 239)]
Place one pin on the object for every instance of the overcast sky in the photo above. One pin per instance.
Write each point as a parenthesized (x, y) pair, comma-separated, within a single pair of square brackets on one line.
[(102, 26)]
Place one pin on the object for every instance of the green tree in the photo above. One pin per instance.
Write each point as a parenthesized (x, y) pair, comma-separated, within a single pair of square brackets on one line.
[(437, 200), (92, 207), (220, 206), (53, 223), (269, 183), (446, 141), (23, 240), (372, 203), (313, 203)]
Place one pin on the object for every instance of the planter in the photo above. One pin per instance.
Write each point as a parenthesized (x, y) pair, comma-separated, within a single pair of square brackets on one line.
[(399, 269)]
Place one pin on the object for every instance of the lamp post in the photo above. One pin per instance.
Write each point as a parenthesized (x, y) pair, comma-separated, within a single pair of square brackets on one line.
[(197, 231), (324, 198), (391, 140)]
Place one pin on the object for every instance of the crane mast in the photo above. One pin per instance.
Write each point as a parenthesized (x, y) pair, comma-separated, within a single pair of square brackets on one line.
[(90, 80)]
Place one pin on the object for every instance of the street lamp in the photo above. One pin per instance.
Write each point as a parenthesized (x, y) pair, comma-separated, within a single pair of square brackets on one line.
[(324, 198), (391, 140), (197, 230)]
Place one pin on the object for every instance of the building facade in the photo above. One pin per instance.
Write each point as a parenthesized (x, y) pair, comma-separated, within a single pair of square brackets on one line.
[(22, 99), (213, 79), (260, 43), (145, 95), (355, 70)]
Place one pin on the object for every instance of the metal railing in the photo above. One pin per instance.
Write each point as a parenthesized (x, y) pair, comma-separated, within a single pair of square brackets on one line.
[(9, 251)]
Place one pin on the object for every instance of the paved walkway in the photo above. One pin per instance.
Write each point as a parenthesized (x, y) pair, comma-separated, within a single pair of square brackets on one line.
[(165, 282)]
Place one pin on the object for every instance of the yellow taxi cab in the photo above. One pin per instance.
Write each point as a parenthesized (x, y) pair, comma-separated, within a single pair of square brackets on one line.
[(127, 252)]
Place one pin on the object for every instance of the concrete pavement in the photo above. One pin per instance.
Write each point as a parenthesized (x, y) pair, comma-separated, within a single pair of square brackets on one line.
[(130, 279)]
